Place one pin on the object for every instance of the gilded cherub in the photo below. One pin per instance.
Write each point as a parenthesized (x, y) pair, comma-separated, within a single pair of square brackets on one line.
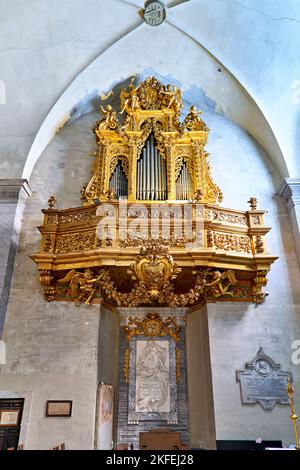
[(129, 98), (110, 121), (82, 286), (221, 282), (193, 122), (172, 97)]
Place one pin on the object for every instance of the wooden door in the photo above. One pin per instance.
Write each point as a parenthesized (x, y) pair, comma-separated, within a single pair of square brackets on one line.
[(10, 422)]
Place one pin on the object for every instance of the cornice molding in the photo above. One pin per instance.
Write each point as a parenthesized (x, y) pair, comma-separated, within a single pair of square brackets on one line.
[(11, 190)]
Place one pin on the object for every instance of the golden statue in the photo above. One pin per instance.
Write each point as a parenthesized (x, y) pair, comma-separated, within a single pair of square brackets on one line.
[(129, 98), (193, 122), (171, 98), (221, 283), (82, 286), (110, 121)]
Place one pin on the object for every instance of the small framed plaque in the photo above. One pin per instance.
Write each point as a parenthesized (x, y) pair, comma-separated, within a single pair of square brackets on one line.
[(9, 417), (59, 408)]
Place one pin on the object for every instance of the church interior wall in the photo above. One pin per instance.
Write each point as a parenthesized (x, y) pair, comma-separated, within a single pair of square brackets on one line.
[(53, 347)]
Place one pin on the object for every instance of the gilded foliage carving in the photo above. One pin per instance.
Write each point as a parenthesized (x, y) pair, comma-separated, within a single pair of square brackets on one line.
[(75, 241), (228, 242)]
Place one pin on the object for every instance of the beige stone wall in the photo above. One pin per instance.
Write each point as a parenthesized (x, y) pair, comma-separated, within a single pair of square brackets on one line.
[(200, 393)]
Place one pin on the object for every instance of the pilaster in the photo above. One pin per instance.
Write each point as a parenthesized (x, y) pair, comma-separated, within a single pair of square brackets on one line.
[(13, 194)]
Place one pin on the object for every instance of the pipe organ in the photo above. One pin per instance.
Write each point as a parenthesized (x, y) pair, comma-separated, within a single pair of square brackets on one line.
[(162, 158), (118, 182), (151, 173)]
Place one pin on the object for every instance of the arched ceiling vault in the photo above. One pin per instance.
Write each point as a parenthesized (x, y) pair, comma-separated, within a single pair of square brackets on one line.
[(175, 53)]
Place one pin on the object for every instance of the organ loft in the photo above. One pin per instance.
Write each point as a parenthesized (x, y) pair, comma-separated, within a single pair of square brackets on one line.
[(151, 230)]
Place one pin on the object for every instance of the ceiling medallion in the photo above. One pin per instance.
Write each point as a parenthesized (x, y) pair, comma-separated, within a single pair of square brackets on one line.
[(154, 13)]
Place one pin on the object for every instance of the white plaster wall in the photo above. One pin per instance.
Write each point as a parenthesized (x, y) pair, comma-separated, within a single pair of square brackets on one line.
[(52, 348), (242, 169)]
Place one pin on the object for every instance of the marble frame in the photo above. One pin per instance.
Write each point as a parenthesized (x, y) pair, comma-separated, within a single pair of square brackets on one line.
[(134, 416)]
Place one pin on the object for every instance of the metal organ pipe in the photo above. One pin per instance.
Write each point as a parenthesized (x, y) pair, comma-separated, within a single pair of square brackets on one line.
[(152, 168), (151, 173), (118, 182)]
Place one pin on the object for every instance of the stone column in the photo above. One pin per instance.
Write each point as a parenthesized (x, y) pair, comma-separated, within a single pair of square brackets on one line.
[(13, 194), (290, 191), (200, 389)]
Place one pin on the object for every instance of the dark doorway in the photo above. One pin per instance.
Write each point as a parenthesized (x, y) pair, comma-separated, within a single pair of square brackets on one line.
[(10, 422)]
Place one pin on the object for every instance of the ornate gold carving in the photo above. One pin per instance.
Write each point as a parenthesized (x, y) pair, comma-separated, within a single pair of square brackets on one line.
[(290, 391), (51, 218), (52, 202), (193, 122), (76, 241), (170, 241), (255, 219), (151, 325), (228, 242), (259, 244), (122, 276), (48, 284), (253, 203), (81, 286), (154, 268), (151, 95), (221, 283), (259, 282), (110, 121), (177, 365), (76, 217), (126, 365), (124, 162)]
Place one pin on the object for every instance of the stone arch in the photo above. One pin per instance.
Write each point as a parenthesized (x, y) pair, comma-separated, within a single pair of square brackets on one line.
[(85, 87)]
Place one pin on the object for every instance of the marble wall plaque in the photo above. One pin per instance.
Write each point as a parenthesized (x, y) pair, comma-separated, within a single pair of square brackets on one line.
[(264, 382), (105, 421), (152, 380), (152, 377)]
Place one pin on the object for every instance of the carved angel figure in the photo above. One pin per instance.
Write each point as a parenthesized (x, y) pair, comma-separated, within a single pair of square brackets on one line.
[(129, 98), (221, 283), (193, 122), (110, 121), (171, 97)]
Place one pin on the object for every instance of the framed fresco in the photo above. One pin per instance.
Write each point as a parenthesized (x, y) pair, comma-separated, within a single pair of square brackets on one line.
[(59, 408)]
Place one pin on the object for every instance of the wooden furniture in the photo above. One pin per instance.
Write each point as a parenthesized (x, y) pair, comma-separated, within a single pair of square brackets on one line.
[(161, 439)]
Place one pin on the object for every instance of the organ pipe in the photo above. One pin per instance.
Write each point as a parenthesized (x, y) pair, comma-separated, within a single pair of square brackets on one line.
[(118, 182), (151, 173), (184, 184)]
